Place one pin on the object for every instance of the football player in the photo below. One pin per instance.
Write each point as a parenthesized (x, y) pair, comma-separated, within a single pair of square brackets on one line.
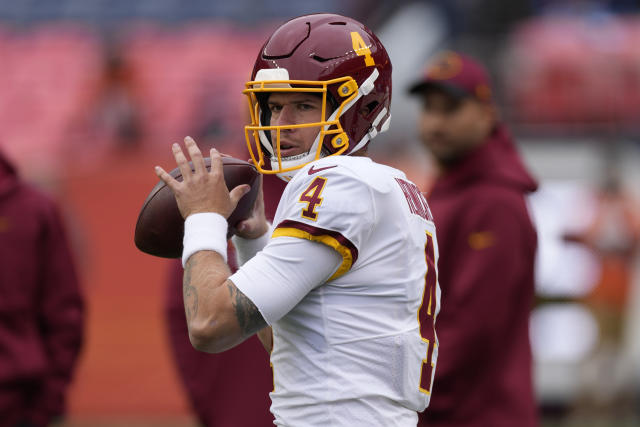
[(346, 276)]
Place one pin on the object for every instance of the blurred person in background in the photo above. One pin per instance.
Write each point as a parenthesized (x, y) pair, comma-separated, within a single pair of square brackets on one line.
[(41, 306), (613, 235), (230, 388), (116, 115), (487, 251), (110, 116)]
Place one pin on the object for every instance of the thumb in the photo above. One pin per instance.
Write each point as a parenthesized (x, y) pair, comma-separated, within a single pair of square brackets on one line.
[(237, 193)]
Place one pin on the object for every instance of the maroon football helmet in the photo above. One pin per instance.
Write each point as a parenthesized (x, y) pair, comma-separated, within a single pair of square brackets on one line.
[(331, 55)]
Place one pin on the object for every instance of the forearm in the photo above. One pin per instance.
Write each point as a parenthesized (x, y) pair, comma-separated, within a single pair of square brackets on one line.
[(248, 248), (204, 273), (206, 302)]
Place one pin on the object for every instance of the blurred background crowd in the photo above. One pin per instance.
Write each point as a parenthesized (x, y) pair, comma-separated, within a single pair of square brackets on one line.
[(93, 92)]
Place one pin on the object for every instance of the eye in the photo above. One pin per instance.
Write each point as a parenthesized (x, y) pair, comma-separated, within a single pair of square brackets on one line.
[(306, 107), (275, 108), (452, 106)]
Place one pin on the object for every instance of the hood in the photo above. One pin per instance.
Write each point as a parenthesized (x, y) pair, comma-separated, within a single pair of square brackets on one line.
[(495, 161), (8, 176)]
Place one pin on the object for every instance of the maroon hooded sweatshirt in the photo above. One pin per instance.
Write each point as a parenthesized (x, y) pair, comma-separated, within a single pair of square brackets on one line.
[(41, 308), (487, 248)]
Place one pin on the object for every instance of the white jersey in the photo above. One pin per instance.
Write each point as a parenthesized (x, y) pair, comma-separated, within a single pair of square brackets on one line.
[(358, 349)]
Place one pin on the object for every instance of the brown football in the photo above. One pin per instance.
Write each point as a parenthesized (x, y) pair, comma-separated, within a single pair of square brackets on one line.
[(160, 227)]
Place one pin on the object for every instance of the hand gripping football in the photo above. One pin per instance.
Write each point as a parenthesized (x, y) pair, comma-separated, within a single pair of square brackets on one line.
[(160, 227)]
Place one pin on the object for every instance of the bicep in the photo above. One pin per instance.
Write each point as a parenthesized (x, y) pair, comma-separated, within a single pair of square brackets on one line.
[(218, 315), (220, 318), (244, 311), (282, 274)]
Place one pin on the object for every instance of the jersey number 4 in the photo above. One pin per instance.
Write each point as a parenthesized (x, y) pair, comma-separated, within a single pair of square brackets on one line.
[(426, 316), (311, 196)]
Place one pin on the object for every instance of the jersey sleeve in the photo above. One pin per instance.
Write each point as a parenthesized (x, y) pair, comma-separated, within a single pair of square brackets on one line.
[(334, 208), (283, 273)]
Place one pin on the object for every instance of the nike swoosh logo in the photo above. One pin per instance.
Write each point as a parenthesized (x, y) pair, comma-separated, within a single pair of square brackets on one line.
[(312, 170)]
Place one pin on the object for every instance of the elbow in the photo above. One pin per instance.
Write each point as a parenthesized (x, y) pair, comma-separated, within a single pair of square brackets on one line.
[(208, 338), (199, 339)]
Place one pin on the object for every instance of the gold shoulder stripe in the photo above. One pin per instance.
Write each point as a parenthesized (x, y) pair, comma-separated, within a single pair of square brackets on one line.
[(347, 259)]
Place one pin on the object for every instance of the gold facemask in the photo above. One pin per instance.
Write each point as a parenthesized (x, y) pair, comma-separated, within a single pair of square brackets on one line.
[(256, 133)]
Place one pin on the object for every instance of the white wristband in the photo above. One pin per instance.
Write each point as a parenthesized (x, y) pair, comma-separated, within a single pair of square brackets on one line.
[(204, 232), (248, 248)]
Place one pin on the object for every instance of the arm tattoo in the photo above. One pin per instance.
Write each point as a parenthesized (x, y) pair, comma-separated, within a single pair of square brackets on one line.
[(249, 318), (189, 292)]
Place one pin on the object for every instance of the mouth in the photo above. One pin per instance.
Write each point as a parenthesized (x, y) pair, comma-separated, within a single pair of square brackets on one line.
[(288, 149), (437, 140)]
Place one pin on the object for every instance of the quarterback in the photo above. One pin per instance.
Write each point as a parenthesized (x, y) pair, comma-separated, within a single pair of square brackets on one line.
[(339, 287)]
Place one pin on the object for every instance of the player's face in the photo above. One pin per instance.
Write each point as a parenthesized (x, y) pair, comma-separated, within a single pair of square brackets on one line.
[(290, 108), (449, 127)]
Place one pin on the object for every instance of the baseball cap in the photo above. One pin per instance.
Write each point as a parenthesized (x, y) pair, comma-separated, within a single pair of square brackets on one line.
[(456, 74)]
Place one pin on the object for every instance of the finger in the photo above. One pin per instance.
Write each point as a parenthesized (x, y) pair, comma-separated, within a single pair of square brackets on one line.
[(182, 162), (236, 194), (166, 178), (195, 154), (216, 161)]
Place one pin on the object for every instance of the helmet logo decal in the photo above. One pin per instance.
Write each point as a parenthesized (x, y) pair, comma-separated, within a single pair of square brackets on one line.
[(361, 48), (446, 66)]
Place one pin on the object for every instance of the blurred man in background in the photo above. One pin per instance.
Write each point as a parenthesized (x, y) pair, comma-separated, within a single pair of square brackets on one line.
[(41, 307), (486, 255)]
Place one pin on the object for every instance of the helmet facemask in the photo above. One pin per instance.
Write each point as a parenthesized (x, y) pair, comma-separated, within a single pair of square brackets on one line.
[(331, 138)]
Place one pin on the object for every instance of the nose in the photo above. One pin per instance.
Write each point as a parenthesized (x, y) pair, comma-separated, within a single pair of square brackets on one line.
[(286, 116), (432, 120)]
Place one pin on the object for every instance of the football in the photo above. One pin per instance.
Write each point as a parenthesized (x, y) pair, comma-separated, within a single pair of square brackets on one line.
[(160, 226)]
